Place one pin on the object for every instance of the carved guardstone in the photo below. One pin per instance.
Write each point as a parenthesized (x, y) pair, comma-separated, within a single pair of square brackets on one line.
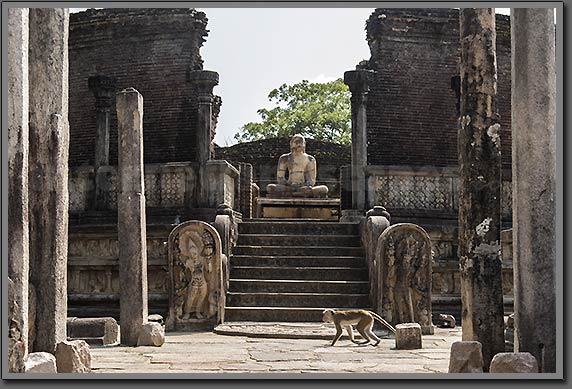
[(404, 255), (195, 272)]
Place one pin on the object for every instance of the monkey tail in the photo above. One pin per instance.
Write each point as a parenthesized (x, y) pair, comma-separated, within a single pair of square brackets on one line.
[(382, 321)]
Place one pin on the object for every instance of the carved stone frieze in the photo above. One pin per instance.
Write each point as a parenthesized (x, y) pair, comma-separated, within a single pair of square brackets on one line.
[(404, 254), (195, 276)]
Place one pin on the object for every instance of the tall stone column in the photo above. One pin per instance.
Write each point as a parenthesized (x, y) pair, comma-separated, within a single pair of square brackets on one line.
[(203, 82), (480, 185), (131, 225), (103, 88), (534, 182), (358, 81), (48, 172), (18, 234)]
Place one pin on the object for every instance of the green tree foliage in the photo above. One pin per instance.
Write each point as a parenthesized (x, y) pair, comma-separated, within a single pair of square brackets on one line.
[(316, 110)]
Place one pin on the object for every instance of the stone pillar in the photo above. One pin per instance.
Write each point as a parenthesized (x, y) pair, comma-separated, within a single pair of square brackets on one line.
[(480, 185), (131, 226), (48, 172), (103, 89), (358, 82), (534, 182), (245, 190), (18, 249), (203, 82)]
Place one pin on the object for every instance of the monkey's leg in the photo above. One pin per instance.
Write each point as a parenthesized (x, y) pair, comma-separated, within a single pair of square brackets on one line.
[(338, 334), (372, 335), (360, 327), (350, 331)]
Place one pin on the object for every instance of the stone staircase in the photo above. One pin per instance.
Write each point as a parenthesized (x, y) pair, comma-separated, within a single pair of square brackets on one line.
[(289, 270)]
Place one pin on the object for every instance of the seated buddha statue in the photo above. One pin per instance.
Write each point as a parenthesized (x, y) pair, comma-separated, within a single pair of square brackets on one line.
[(301, 169)]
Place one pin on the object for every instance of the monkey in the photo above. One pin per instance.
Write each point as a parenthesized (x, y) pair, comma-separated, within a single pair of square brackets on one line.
[(361, 318)]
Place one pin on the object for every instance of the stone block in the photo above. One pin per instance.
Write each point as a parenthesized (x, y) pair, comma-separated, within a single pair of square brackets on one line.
[(514, 363), (41, 362), (466, 357), (155, 318), (152, 334), (408, 336), (447, 321), (73, 357), (312, 208), (94, 330), (16, 354)]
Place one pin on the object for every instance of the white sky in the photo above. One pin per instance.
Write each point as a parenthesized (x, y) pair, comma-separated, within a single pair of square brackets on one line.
[(255, 50)]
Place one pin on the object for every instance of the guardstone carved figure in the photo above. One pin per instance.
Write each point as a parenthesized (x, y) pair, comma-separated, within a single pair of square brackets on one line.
[(404, 253), (195, 270), (301, 169)]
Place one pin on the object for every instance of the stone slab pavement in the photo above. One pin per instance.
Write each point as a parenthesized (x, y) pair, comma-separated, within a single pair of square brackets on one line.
[(208, 352)]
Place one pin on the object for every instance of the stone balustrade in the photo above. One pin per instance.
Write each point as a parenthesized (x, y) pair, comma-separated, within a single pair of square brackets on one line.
[(170, 185), (421, 188)]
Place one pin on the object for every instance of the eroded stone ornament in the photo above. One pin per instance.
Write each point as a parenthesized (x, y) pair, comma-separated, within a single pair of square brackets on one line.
[(195, 271), (404, 254)]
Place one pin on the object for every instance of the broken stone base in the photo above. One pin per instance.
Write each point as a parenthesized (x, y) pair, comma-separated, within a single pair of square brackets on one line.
[(98, 331), (41, 362), (73, 357), (466, 357), (408, 336), (152, 334), (514, 363)]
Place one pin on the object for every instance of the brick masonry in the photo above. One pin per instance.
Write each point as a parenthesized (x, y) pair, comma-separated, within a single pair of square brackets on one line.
[(151, 50), (411, 104)]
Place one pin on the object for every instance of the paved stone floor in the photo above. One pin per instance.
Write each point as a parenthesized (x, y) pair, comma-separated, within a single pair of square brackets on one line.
[(207, 352)]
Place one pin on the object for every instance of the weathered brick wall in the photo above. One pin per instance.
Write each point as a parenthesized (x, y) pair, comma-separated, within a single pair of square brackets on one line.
[(263, 156), (151, 50), (411, 115)]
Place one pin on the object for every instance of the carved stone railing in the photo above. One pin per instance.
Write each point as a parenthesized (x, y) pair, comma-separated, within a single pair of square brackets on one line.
[(422, 188), (170, 185)]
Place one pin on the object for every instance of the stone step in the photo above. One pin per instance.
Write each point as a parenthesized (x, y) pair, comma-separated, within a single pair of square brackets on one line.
[(298, 251), (298, 286), (298, 227), (329, 300), (283, 314), (291, 261), (298, 240), (299, 273)]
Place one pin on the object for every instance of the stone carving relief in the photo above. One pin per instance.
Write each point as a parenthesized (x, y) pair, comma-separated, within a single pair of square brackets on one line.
[(173, 189), (434, 191), (93, 248), (152, 190), (84, 279), (442, 250), (404, 255), (415, 192), (443, 283), (195, 272)]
